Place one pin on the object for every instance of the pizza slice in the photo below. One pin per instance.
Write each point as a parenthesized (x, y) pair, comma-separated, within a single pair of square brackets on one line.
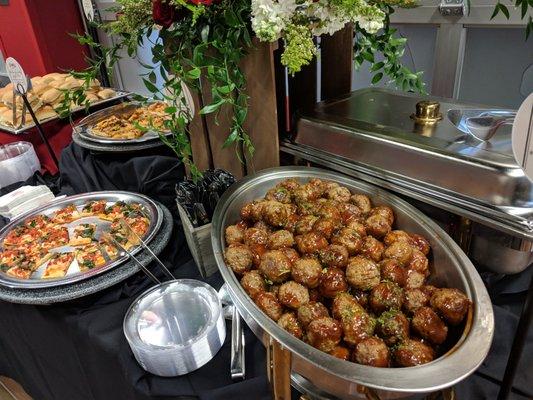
[(38, 222), (58, 265), (83, 234), (89, 257), (29, 258), (21, 235), (138, 224), (67, 214), (10, 258), (36, 256), (114, 211), (55, 236), (111, 250), (19, 273), (96, 208), (121, 235)]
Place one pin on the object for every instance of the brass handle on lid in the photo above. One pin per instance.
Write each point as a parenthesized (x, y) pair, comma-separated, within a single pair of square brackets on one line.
[(427, 112)]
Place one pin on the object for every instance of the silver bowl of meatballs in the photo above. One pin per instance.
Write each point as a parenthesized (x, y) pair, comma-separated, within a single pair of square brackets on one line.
[(360, 286)]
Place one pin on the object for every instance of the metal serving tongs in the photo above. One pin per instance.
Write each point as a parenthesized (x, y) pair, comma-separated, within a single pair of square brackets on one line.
[(111, 240)]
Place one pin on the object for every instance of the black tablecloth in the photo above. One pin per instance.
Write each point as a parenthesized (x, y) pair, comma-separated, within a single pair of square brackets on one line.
[(76, 350)]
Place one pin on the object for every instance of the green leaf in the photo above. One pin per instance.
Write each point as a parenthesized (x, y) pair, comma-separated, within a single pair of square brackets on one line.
[(524, 8), (152, 77), (232, 138), (496, 11), (194, 73), (368, 56), (505, 10), (529, 28), (150, 86), (226, 88), (377, 78), (210, 108), (171, 110), (377, 66)]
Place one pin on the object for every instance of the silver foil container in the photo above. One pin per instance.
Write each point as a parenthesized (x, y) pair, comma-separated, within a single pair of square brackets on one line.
[(176, 327)]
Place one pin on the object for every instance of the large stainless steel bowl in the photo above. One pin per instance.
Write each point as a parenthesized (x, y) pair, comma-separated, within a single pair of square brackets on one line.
[(450, 267)]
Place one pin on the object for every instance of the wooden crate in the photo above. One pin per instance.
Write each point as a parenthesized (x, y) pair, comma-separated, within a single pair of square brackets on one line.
[(199, 241)]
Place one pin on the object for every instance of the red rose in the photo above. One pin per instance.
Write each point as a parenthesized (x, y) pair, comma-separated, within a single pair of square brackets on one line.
[(163, 13)]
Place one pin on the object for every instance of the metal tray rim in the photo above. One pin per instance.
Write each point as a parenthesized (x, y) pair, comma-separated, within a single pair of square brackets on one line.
[(156, 214)]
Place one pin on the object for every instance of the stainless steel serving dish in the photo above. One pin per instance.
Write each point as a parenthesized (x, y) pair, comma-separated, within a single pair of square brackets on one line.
[(85, 125), (17, 131), (151, 209), (369, 134), (450, 267)]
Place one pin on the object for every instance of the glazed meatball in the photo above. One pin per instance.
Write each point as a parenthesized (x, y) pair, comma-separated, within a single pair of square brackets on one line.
[(334, 256), (362, 202), (290, 184), (414, 279), (451, 304), (361, 297), (392, 271), (393, 327), (372, 248), (291, 254), (275, 266), (419, 263), (255, 236), (234, 234), (348, 238), (262, 225), (429, 290), (291, 223), (310, 243), (421, 243), (280, 194), (377, 226), (279, 239), (274, 289), (358, 226), (308, 208), (332, 281), (399, 251), (386, 296), (310, 312), (275, 213), (293, 295), (305, 224), (257, 251), (427, 324), (414, 299), (339, 193), (289, 322), (341, 352), (398, 236), (330, 209), (307, 192), (325, 226), (345, 306), (372, 351), (253, 283), (413, 352), (362, 273), (252, 211), (239, 258), (385, 212), (324, 333), (358, 327), (349, 212), (307, 271), (269, 304)]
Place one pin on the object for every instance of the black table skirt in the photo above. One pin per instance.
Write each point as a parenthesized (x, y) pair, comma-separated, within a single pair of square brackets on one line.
[(76, 350)]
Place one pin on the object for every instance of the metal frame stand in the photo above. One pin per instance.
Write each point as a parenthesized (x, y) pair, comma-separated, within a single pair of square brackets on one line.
[(518, 345)]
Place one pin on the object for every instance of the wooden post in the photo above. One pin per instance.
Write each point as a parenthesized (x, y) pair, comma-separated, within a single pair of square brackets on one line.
[(337, 62)]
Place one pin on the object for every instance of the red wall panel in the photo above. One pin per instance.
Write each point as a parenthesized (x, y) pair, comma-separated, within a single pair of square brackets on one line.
[(36, 33)]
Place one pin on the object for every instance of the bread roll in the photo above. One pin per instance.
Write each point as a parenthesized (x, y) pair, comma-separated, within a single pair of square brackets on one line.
[(70, 84), (51, 95), (39, 88), (92, 97), (106, 93), (45, 113)]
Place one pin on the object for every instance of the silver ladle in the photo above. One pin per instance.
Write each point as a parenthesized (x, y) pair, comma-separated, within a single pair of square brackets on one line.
[(484, 127)]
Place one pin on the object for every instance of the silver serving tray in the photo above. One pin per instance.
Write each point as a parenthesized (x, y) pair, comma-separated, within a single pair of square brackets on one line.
[(17, 131), (85, 131), (73, 274), (450, 267), (371, 130)]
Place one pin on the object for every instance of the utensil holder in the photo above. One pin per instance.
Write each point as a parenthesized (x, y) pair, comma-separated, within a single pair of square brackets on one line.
[(199, 242)]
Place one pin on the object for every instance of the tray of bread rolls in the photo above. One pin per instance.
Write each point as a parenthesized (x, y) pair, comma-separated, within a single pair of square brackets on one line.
[(46, 96)]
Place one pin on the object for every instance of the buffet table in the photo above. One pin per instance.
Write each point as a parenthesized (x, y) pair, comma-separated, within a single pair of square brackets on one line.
[(77, 349)]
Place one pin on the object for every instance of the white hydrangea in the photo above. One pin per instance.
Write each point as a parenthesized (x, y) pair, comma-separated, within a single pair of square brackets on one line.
[(370, 25), (270, 17)]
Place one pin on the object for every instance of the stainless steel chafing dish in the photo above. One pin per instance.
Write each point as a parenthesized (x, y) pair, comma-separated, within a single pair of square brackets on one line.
[(474, 188), (323, 376)]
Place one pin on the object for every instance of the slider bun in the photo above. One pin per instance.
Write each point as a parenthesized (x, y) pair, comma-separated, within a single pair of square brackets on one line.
[(70, 84), (45, 113), (51, 95), (106, 93), (92, 97), (39, 88)]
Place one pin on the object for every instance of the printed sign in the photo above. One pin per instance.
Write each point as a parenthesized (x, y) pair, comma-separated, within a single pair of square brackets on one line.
[(88, 9), (16, 75), (522, 138)]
